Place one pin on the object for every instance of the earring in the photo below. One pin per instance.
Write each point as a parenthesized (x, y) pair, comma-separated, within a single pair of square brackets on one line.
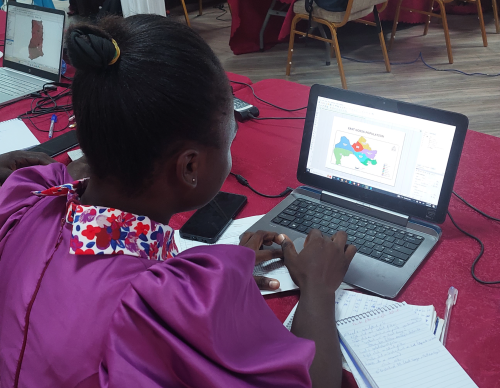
[(194, 180)]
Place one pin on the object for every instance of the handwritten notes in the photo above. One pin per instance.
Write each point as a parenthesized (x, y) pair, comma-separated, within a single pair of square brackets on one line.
[(392, 347)]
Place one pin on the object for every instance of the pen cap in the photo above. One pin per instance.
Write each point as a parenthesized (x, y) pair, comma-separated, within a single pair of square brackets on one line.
[(54, 118), (452, 295)]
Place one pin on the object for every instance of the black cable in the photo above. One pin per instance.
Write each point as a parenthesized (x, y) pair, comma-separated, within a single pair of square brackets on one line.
[(264, 101), (476, 260), (224, 11), (48, 105), (475, 208), (245, 183), (421, 58), (275, 118)]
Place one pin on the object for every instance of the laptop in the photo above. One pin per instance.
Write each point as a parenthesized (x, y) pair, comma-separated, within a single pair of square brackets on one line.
[(379, 169), (33, 50)]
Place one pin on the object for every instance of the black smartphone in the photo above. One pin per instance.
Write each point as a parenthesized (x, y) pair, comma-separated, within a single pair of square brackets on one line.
[(209, 222), (57, 145)]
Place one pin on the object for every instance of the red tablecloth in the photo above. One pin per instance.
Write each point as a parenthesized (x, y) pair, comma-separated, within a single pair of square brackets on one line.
[(248, 17), (266, 153)]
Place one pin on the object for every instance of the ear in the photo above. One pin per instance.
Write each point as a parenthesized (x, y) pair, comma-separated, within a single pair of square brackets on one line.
[(188, 164)]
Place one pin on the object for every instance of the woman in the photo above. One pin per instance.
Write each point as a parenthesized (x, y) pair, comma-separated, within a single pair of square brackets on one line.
[(92, 291)]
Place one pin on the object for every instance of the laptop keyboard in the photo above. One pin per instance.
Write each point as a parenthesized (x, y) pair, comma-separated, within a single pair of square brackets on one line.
[(16, 86), (376, 240)]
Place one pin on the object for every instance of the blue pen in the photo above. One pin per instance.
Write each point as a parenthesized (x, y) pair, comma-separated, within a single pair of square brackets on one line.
[(53, 120)]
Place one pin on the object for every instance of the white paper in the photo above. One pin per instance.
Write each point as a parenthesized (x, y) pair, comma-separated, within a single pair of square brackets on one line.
[(76, 154), (349, 304), (231, 236), (15, 135)]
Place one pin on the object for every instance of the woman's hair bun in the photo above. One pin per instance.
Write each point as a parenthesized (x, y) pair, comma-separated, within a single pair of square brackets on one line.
[(90, 47)]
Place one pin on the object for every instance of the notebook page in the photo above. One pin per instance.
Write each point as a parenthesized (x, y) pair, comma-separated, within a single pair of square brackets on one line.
[(348, 304), (396, 349)]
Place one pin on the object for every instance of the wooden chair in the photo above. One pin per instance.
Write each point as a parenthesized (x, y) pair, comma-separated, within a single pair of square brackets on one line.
[(442, 16), (495, 15), (356, 9), (200, 12)]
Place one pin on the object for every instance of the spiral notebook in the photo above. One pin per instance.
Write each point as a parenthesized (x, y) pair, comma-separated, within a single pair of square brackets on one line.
[(391, 347)]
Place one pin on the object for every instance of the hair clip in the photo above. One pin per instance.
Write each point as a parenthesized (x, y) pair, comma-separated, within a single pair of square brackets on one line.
[(117, 53)]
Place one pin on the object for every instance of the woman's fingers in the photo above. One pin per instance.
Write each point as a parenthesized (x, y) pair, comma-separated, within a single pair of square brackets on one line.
[(340, 238), (267, 254), (257, 239), (266, 283)]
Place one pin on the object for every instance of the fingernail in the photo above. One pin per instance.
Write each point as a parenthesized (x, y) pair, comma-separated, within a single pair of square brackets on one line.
[(281, 238), (274, 284)]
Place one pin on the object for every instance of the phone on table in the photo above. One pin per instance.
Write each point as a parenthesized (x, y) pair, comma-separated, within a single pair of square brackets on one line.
[(57, 145), (209, 222)]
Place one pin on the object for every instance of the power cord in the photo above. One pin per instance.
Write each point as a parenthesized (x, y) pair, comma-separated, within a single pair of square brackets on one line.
[(45, 104), (475, 208), (275, 118), (476, 260), (264, 101), (224, 11), (421, 58), (245, 183)]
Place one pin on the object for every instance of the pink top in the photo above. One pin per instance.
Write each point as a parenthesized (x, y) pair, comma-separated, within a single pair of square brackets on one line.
[(196, 319)]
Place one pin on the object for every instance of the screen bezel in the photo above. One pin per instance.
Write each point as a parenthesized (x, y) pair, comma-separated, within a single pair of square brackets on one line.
[(26, 69), (399, 205)]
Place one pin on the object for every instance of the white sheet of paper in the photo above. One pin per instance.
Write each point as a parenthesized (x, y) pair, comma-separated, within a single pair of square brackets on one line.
[(76, 154), (15, 135), (231, 236)]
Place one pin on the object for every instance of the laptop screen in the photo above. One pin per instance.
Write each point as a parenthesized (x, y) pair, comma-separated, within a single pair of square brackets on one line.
[(385, 152), (33, 38)]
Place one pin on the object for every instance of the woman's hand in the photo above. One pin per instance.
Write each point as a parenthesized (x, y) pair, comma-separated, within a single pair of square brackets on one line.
[(255, 241), (322, 264), (12, 161)]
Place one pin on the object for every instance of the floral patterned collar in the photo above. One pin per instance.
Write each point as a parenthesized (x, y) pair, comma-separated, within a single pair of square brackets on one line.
[(100, 230)]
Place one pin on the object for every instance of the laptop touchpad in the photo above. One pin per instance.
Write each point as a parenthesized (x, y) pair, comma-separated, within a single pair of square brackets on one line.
[(299, 243)]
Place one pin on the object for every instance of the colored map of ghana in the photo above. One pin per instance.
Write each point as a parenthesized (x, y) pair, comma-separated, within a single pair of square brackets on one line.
[(36, 43), (361, 150)]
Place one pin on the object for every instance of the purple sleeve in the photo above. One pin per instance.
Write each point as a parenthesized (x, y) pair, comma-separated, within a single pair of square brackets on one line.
[(199, 320), (16, 197)]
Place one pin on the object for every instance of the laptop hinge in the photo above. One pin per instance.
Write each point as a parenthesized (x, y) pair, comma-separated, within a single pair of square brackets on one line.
[(369, 210)]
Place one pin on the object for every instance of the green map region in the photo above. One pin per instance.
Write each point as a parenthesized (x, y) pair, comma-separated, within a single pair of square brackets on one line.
[(360, 149)]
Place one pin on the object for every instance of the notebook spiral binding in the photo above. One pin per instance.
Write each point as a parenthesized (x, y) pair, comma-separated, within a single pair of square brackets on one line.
[(368, 314)]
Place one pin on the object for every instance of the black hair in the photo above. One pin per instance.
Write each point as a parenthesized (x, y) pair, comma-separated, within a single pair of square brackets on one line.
[(166, 87)]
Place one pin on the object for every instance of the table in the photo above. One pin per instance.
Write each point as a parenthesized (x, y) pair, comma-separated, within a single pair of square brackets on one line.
[(266, 154), (248, 16)]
